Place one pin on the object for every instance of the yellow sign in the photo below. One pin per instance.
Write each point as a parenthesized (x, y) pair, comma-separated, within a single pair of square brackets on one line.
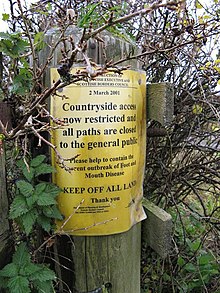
[(104, 132)]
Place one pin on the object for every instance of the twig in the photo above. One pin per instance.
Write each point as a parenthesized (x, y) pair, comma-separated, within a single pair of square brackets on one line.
[(60, 159)]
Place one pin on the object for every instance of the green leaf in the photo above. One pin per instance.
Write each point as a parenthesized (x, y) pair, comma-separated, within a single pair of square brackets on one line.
[(10, 270), (6, 47), (205, 259), (21, 164), (19, 284), (44, 222), (21, 256), (24, 74), (122, 34), (20, 45), (28, 174), (197, 109), (166, 277), (25, 187), (49, 7), (39, 41), (46, 286), (180, 261), (3, 282), (208, 64), (37, 160), (52, 212), (195, 245), (198, 5), (45, 199), (22, 82), (28, 220), (85, 20), (5, 16), (52, 189), (2, 137), (39, 188), (43, 274), (4, 36), (43, 169), (31, 200), (190, 267), (18, 207), (31, 269), (13, 44)]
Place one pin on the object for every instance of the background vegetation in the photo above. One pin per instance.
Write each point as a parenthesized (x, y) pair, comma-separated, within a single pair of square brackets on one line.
[(178, 43)]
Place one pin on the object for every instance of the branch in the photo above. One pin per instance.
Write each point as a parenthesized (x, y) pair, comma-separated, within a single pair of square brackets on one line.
[(33, 106), (61, 160), (170, 5)]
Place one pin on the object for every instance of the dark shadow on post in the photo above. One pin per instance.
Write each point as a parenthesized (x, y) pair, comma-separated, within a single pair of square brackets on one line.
[(5, 246)]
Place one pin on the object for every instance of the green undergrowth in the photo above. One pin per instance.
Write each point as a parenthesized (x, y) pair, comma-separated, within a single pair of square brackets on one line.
[(33, 208), (35, 200), (24, 276), (194, 262)]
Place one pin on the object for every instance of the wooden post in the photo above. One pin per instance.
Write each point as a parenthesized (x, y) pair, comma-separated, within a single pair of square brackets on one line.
[(97, 260), (157, 228), (87, 263), (4, 224), (160, 102), (102, 259)]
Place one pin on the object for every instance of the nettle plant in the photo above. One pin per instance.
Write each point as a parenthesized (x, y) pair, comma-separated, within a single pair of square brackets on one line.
[(35, 201), (34, 205), (22, 275)]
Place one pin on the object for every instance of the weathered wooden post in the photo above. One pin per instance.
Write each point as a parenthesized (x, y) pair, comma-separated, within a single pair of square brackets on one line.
[(112, 259), (4, 224), (157, 228), (103, 255)]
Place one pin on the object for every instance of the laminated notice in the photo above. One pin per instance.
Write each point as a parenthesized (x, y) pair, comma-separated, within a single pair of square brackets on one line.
[(103, 131)]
